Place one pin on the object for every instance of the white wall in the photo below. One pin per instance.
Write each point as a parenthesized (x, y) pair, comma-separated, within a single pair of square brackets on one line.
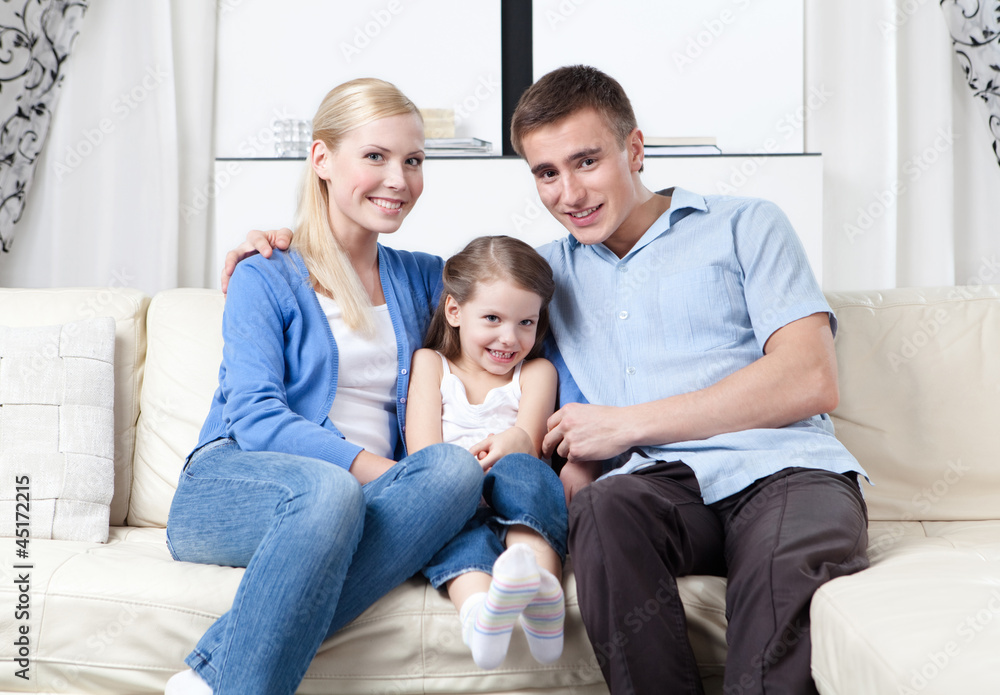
[(278, 58), (732, 69), (261, 195)]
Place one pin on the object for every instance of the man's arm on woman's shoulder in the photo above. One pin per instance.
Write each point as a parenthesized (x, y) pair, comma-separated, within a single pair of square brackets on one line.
[(256, 242)]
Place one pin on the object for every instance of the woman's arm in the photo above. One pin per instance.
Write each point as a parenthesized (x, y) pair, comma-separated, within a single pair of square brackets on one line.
[(255, 406), (423, 412)]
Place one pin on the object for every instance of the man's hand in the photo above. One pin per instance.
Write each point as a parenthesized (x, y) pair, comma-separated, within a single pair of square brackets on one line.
[(496, 446), (577, 475), (583, 432), (256, 242)]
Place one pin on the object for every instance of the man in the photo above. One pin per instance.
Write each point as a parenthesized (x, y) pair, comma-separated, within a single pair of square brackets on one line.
[(707, 359), (696, 364)]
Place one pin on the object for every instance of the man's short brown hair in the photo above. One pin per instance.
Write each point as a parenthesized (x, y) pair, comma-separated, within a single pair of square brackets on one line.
[(565, 91)]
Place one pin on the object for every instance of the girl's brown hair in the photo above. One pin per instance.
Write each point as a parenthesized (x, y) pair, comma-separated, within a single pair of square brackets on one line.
[(486, 259)]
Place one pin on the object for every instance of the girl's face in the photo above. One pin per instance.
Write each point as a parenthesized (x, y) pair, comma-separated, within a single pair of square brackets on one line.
[(375, 175), (496, 326)]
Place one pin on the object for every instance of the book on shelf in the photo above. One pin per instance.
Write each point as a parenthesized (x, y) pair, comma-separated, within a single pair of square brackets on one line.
[(457, 147), (681, 145)]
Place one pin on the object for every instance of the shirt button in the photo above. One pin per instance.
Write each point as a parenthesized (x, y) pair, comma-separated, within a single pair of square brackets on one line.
[(402, 371), (630, 371), (623, 269), (403, 399), (623, 314)]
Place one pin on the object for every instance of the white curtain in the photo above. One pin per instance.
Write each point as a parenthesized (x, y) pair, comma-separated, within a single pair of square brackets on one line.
[(37, 36), (130, 146), (910, 181)]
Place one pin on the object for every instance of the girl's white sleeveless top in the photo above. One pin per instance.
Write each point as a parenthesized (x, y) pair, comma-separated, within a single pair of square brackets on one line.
[(465, 424)]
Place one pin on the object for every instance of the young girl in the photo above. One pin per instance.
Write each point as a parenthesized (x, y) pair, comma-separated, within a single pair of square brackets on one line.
[(479, 384)]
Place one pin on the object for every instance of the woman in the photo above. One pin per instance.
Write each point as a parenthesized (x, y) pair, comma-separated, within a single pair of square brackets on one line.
[(295, 475)]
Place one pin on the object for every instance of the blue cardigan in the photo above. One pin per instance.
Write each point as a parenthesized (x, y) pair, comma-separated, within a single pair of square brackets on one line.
[(278, 376)]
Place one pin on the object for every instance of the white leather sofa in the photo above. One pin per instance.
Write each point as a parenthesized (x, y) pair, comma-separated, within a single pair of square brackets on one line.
[(920, 399)]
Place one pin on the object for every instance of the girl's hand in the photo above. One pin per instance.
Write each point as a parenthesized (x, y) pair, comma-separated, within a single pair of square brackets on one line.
[(576, 475), (496, 446)]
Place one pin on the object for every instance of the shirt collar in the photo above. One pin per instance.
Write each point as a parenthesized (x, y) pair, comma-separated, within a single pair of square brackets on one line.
[(680, 200)]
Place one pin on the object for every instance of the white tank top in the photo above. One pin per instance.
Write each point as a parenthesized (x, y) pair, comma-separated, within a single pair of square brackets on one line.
[(364, 407), (465, 424)]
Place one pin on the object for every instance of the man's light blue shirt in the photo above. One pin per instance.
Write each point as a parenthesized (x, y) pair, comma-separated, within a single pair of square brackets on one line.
[(694, 300)]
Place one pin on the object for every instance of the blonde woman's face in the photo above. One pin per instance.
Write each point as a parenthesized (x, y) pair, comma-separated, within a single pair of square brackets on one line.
[(375, 175)]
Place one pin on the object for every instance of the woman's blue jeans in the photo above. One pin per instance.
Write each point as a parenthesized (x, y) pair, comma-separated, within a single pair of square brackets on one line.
[(518, 490), (318, 548)]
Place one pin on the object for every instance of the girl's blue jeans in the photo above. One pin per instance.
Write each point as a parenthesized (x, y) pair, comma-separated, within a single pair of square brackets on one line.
[(318, 548), (517, 490)]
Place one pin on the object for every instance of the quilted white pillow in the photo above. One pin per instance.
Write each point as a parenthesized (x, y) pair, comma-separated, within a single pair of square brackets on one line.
[(57, 429)]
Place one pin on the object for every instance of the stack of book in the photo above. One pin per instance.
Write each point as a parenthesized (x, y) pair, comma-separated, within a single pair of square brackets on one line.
[(654, 145), (457, 147)]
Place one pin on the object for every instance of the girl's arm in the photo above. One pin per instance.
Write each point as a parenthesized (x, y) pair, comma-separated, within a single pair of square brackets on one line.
[(423, 412), (538, 400)]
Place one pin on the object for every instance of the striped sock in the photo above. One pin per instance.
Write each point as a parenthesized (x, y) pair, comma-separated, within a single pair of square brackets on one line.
[(543, 620), (488, 619)]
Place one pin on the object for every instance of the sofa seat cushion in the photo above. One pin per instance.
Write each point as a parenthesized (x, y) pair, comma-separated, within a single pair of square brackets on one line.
[(121, 617), (924, 618)]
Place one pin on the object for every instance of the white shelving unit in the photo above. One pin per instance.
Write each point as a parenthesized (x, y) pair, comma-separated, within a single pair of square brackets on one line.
[(467, 197)]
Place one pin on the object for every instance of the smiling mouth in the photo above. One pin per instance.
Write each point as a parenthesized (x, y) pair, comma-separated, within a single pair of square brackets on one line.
[(497, 354), (584, 213), (387, 204)]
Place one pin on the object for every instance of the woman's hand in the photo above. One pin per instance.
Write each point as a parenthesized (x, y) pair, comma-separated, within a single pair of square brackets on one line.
[(576, 475), (367, 466), (496, 446)]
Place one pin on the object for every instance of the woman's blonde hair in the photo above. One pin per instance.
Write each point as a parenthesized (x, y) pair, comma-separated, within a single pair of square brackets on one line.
[(346, 107), (487, 259)]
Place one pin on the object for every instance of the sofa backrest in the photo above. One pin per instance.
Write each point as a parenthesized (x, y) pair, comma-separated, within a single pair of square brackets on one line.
[(50, 307), (920, 399), (184, 351)]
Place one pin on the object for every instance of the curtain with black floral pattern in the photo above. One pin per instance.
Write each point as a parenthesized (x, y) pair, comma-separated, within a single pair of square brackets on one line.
[(975, 32), (36, 37)]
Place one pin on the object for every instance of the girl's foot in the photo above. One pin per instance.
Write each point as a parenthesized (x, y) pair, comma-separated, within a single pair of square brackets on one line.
[(543, 619), (488, 618)]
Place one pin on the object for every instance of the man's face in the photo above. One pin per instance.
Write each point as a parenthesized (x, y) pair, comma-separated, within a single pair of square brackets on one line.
[(584, 178)]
